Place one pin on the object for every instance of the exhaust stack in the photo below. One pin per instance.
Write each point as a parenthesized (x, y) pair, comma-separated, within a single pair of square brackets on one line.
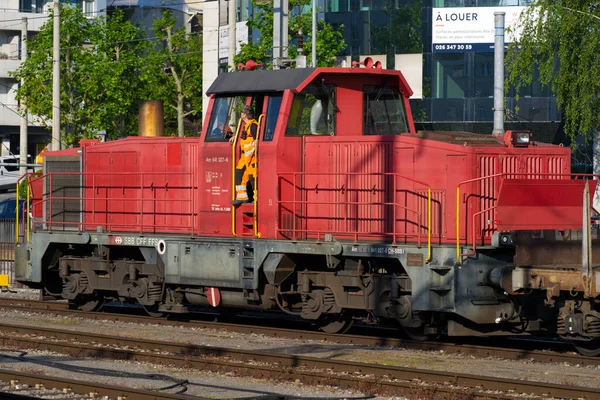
[(151, 118)]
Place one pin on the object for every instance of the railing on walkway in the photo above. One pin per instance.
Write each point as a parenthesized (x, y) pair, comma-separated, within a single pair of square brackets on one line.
[(127, 201), (7, 248), (354, 205)]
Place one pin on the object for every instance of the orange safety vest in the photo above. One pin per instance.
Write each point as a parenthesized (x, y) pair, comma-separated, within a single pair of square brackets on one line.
[(248, 148)]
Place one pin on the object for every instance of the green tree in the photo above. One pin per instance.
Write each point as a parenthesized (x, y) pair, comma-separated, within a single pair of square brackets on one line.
[(122, 47), (561, 38), (402, 33), (330, 41), (175, 71), (98, 68)]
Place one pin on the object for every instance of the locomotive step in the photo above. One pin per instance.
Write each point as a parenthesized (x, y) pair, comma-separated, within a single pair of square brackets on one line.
[(441, 288)]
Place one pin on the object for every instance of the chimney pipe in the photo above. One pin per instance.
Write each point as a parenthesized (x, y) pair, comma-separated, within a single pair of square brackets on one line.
[(151, 118), (499, 73)]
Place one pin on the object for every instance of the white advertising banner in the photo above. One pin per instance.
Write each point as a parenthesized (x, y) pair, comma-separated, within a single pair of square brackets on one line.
[(241, 35), (470, 29)]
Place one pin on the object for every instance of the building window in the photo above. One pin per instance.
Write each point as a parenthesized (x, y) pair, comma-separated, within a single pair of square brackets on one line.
[(33, 6), (483, 73), (88, 6), (450, 76)]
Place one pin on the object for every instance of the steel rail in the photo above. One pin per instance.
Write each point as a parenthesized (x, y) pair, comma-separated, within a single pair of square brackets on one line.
[(361, 340), (81, 387), (311, 370)]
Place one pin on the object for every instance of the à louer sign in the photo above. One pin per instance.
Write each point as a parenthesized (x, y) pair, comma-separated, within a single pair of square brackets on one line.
[(469, 29)]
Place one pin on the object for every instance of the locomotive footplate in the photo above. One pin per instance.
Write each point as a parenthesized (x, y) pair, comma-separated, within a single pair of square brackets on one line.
[(553, 261), (554, 280)]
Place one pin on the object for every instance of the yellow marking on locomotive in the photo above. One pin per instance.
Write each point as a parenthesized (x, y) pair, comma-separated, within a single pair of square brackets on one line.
[(4, 280)]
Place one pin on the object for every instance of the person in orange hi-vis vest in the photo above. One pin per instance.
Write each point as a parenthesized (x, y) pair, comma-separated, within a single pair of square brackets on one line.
[(246, 166)]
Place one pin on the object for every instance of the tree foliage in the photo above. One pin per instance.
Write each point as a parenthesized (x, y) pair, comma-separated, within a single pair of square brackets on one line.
[(98, 67), (107, 67), (330, 41), (402, 34), (178, 60), (560, 39)]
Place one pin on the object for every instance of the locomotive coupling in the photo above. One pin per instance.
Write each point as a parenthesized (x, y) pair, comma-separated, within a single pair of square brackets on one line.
[(500, 277)]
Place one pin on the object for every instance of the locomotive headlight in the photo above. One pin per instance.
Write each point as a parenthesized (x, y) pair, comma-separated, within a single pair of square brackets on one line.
[(521, 138), (517, 138)]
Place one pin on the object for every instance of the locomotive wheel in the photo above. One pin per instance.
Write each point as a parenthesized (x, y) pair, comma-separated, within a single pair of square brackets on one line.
[(417, 334), (589, 348), (87, 302), (335, 324), (153, 312)]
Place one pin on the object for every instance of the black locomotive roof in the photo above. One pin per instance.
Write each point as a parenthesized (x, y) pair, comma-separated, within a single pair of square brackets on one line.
[(259, 81)]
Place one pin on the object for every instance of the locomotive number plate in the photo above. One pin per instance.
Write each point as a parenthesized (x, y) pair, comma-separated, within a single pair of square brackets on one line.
[(133, 240), (414, 260)]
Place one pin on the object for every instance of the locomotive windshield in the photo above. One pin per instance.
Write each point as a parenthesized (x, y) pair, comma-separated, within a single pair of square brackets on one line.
[(224, 118), (383, 111), (313, 112)]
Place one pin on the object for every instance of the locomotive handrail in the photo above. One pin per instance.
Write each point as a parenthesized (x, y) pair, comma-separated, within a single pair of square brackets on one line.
[(233, 158), (26, 218), (356, 203), (49, 197), (255, 186), (395, 175), (17, 208), (498, 175)]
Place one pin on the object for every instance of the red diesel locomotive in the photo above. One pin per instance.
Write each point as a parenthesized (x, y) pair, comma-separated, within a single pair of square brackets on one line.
[(356, 216)]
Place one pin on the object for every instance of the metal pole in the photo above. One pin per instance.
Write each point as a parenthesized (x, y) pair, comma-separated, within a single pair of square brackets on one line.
[(314, 33), (586, 242), (284, 36), (55, 143), (232, 42), (499, 74), (23, 131), (276, 33)]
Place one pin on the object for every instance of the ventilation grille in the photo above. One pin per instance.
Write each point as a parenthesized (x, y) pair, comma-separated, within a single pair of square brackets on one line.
[(64, 192)]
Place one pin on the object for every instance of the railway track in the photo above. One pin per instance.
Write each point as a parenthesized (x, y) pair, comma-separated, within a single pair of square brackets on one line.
[(23, 385), (370, 378), (520, 352)]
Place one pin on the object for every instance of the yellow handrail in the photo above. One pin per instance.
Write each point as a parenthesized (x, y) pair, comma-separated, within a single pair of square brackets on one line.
[(256, 232), (428, 226), (235, 137), (458, 260), (17, 217), (28, 225)]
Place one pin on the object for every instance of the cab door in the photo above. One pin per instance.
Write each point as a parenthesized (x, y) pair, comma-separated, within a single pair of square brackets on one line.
[(216, 162), (266, 191)]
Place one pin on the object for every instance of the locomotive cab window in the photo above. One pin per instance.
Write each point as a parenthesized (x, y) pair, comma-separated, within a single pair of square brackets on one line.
[(383, 111), (313, 112), (273, 105), (224, 118)]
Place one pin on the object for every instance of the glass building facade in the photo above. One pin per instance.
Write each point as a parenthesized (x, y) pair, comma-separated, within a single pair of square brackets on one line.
[(457, 86)]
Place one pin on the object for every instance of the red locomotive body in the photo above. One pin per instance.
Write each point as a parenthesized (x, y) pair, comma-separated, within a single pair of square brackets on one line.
[(355, 214)]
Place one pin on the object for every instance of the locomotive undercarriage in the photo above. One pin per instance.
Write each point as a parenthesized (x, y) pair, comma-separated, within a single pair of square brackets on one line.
[(330, 283)]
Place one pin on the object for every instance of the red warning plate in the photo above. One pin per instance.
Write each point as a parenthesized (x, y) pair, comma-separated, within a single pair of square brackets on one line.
[(214, 296)]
